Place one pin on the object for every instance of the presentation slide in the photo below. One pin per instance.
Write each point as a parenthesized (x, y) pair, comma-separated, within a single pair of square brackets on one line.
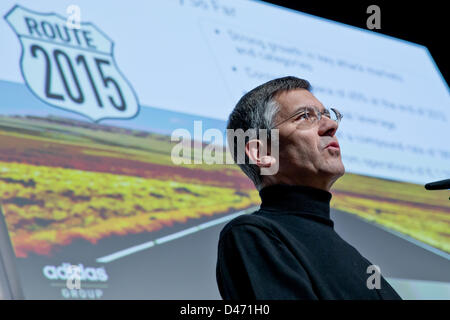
[(93, 94)]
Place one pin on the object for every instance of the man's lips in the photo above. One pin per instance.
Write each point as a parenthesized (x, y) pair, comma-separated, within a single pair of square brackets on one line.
[(333, 144)]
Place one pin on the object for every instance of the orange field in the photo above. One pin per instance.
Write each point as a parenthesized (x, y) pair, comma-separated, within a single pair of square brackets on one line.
[(62, 180)]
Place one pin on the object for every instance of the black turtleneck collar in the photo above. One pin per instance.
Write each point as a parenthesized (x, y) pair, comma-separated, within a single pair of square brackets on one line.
[(296, 199)]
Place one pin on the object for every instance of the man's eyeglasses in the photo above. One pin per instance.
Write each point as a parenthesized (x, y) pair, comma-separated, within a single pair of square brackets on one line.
[(311, 114)]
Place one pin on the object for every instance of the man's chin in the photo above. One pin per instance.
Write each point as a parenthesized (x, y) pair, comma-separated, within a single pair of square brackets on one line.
[(336, 171), (340, 171), (335, 175)]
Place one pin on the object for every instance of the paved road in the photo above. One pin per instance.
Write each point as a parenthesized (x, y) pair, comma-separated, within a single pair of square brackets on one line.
[(184, 268)]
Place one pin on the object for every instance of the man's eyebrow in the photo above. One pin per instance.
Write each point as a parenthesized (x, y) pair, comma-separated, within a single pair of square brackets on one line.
[(299, 108), (290, 115)]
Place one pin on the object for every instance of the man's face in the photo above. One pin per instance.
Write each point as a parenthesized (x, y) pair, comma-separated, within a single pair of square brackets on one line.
[(304, 156)]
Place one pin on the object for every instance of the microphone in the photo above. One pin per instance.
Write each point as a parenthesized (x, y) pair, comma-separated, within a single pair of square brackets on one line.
[(438, 185)]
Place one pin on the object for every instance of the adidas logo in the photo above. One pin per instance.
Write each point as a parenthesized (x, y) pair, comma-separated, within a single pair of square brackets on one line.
[(64, 271)]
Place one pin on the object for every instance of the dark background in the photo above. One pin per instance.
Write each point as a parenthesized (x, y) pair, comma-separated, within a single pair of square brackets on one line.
[(422, 22)]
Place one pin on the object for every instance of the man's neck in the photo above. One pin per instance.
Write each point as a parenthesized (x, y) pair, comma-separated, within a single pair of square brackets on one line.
[(314, 182)]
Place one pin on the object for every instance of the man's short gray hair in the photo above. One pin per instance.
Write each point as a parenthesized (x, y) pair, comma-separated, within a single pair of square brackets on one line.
[(257, 110)]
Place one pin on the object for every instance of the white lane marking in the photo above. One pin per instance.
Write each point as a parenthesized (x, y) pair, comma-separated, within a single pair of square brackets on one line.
[(170, 237), (400, 235)]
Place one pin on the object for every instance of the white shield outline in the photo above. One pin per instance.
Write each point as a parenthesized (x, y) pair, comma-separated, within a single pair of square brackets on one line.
[(135, 110)]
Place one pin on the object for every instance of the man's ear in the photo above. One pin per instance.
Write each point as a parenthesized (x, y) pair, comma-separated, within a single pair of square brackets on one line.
[(257, 153)]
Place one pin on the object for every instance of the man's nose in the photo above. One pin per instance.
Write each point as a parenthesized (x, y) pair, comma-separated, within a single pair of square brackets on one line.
[(327, 127)]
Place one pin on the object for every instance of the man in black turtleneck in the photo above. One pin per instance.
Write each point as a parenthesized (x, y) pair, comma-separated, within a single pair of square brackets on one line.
[(288, 249)]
